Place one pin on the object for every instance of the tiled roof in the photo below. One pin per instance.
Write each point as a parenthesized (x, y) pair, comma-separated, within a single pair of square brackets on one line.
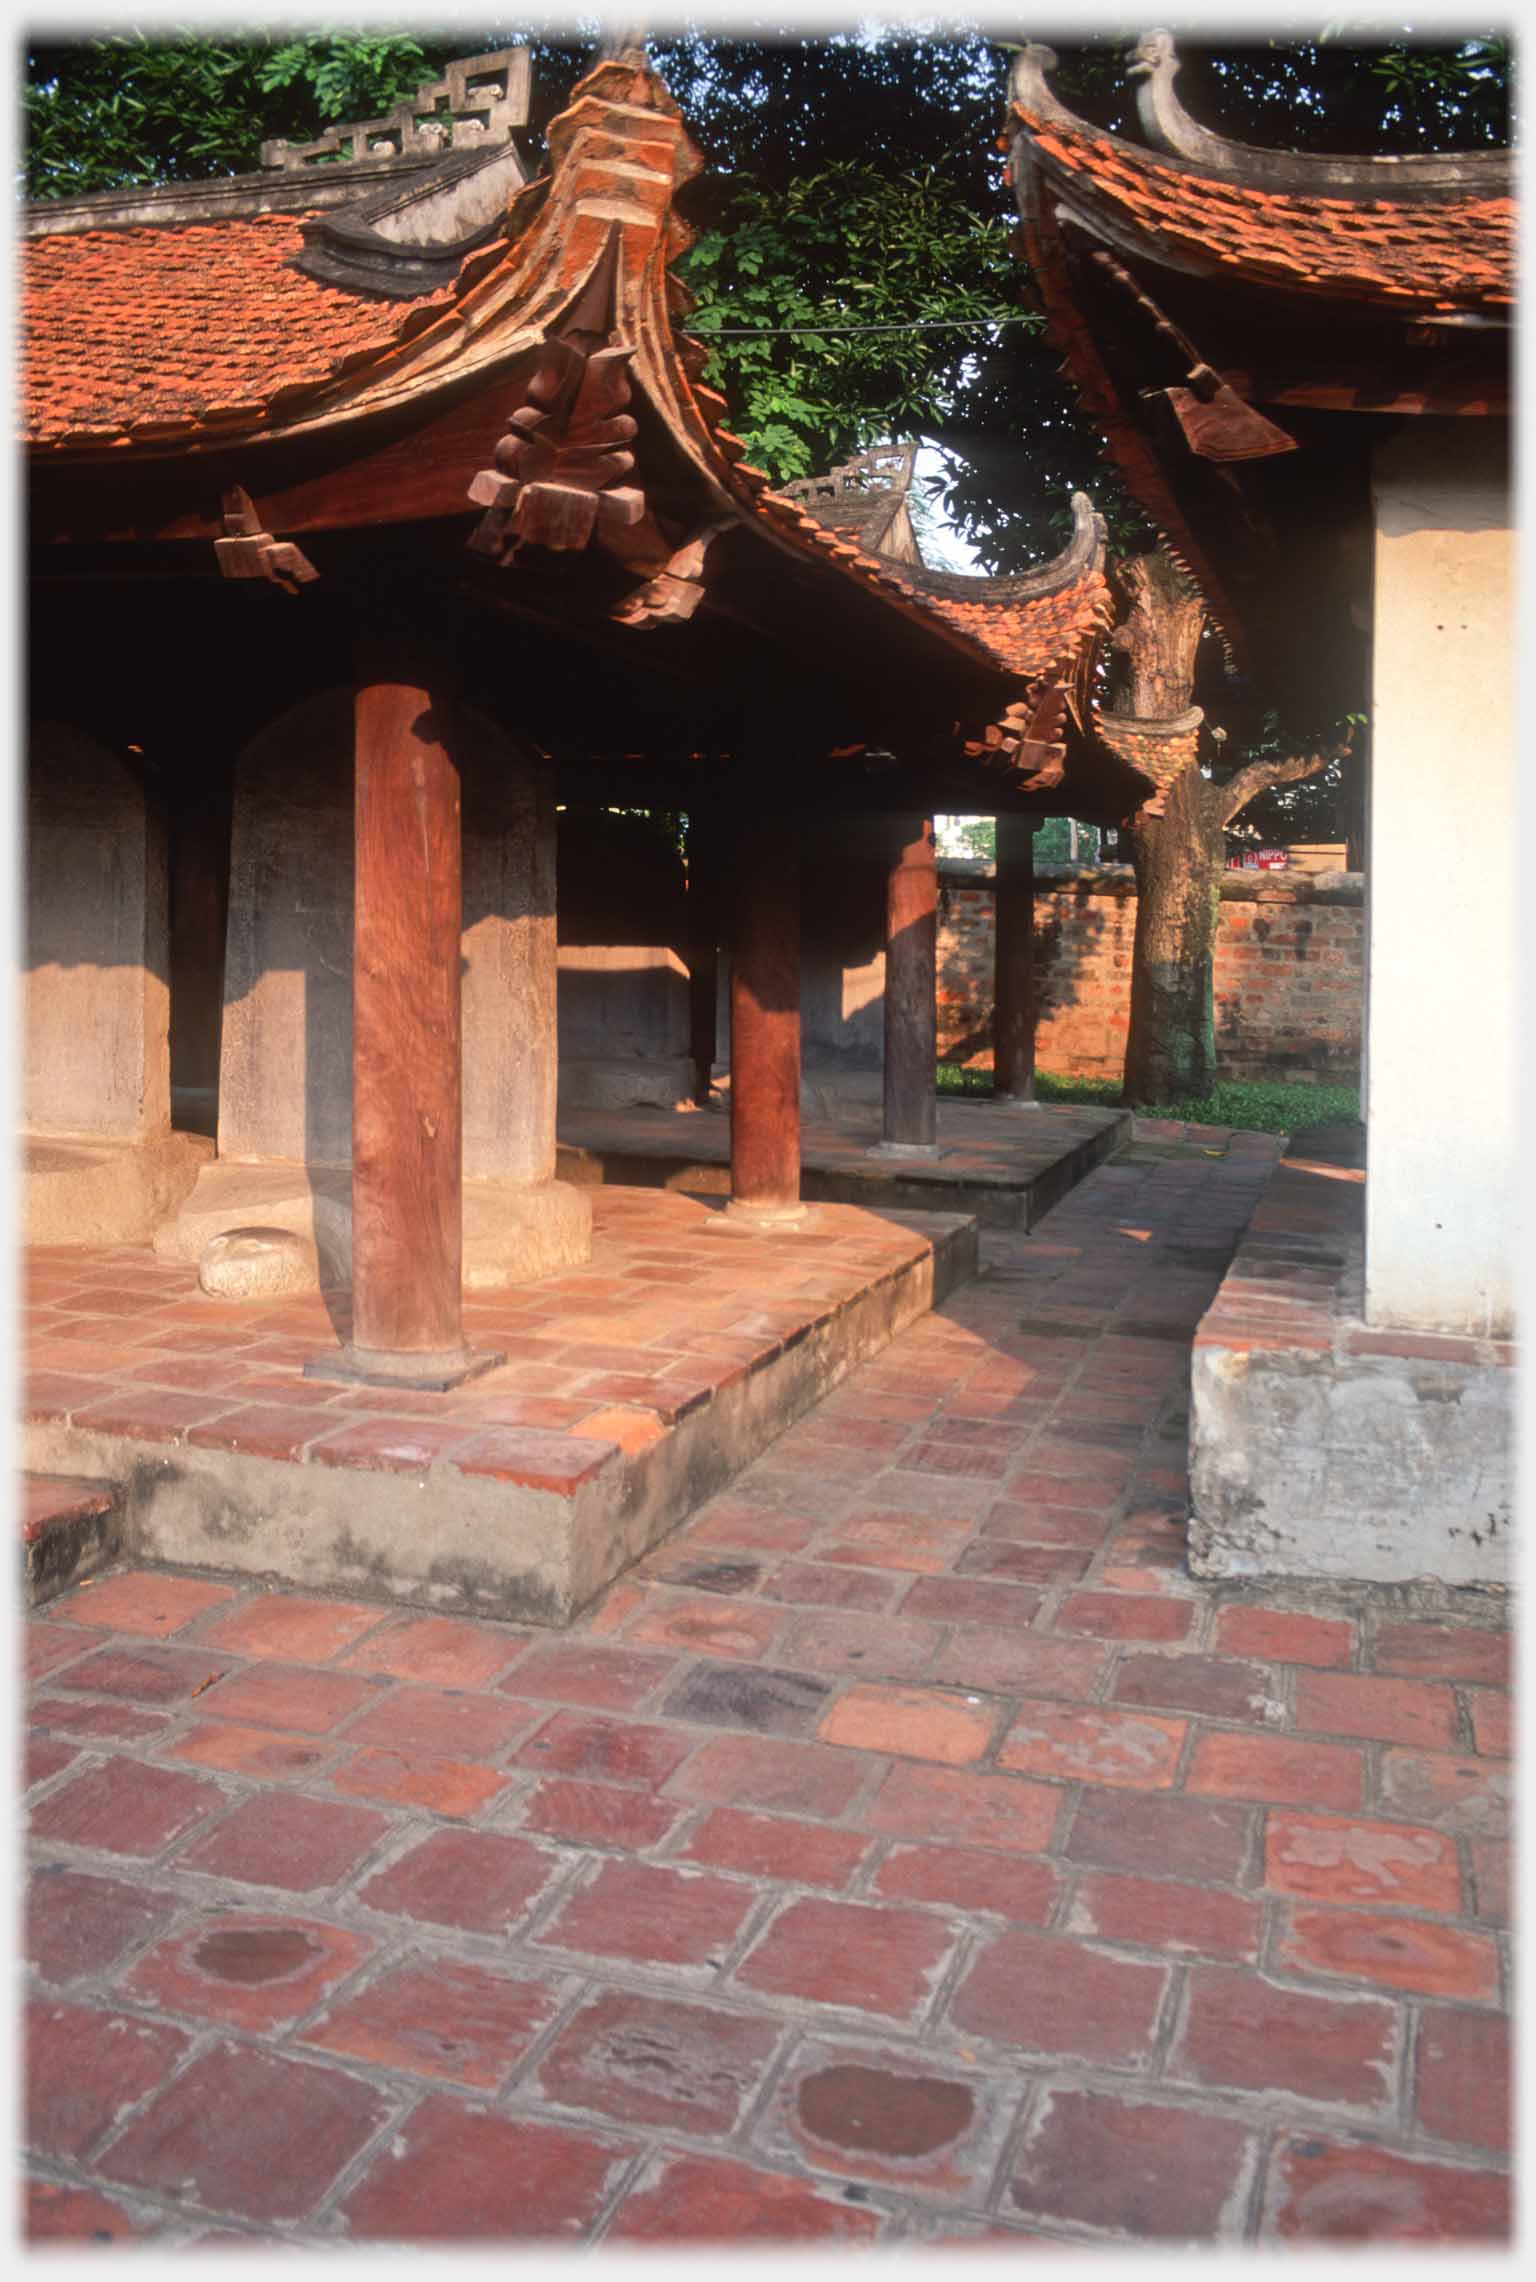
[(144, 330), (1423, 254)]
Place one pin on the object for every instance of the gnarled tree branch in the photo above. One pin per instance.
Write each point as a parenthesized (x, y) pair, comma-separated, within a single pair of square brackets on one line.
[(1259, 776)]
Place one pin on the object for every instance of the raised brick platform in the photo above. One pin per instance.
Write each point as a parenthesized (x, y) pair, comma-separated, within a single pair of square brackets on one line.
[(69, 1527), (1321, 1447), (1006, 1167), (633, 1387)]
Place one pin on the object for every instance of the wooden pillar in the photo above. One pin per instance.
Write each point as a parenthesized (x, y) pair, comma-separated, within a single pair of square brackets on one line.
[(704, 884), (1013, 1016), (765, 1025), (407, 1060), (911, 1020)]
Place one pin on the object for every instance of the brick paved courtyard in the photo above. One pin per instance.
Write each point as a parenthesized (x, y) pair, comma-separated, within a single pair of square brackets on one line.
[(910, 1852)]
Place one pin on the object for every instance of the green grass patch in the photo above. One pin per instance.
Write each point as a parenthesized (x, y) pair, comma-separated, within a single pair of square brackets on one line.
[(1251, 1105)]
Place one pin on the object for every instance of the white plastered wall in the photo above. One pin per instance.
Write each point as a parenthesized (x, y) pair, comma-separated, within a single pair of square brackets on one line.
[(1442, 1196)]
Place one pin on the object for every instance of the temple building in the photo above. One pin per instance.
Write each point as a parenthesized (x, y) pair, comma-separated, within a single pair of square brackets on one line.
[(378, 512), (1300, 365)]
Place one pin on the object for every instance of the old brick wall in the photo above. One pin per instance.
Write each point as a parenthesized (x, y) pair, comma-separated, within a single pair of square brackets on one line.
[(1289, 970)]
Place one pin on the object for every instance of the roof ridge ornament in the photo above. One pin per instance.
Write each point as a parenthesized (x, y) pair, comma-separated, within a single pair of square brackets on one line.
[(477, 102), (1153, 62), (1029, 90)]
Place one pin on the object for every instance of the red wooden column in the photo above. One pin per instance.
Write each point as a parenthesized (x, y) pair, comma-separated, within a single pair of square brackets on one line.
[(704, 884), (911, 1020), (765, 1025), (1013, 1017), (407, 1057)]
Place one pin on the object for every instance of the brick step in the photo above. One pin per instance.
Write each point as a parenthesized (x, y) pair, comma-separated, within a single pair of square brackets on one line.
[(70, 1527)]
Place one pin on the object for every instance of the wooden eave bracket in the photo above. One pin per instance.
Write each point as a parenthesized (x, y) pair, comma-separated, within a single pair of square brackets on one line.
[(247, 551)]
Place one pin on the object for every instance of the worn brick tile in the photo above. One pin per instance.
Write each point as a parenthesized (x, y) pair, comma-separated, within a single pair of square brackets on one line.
[(84, 2068), (1431, 1651), (913, 1723), (1021, 1663), (577, 1672), (596, 1814), (50, 1645), (886, 1647), (1492, 1879), (679, 1566), (111, 1722), (1045, 1525), (282, 1838), (658, 2061), (253, 1751), (817, 1584), (972, 1600), (1281, 1768), (773, 1846), (292, 1698), (1468, 1796), (1247, 2033), (480, 1881), (436, 1651), (1463, 2076), (1152, 1913), (436, 2016), (148, 1602), (249, 2133), (893, 2116), (245, 1970), (1183, 1837), (1395, 1952), (740, 1521), (1284, 1636), (653, 1916), (1005, 1558), (80, 1923), (945, 1803), (457, 2172), (292, 1627), (878, 1960), (1328, 2191), (1326, 1858), (714, 2199), (43, 1758), (1215, 1687), (1421, 1713), (1131, 2168), (705, 1625), (1073, 1745), (910, 1542), (62, 2215), (122, 1807), (767, 1699), (614, 1750), (1126, 1616), (1491, 1725), (1051, 1997), (444, 1723), (143, 1675), (764, 1771), (960, 1878), (418, 1779)]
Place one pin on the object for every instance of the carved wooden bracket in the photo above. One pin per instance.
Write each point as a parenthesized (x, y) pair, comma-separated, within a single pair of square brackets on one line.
[(677, 590), (1029, 740), (250, 552), (558, 471)]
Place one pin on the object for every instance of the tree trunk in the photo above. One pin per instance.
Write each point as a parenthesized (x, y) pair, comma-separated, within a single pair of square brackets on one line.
[(1177, 844), (1179, 858)]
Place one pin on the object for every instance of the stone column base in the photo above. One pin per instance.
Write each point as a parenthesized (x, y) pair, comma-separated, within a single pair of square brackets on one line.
[(511, 1233), (106, 1192)]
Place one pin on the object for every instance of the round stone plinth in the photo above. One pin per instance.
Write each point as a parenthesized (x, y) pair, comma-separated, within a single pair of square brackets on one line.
[(763, 1219), (258, 1263)]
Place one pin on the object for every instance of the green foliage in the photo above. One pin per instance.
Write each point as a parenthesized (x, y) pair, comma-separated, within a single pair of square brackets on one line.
[(128, 109), (848, 245), (1248, 1105)]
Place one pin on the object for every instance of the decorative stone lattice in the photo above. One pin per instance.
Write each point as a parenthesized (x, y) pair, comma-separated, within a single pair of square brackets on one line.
[(476, 103)]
